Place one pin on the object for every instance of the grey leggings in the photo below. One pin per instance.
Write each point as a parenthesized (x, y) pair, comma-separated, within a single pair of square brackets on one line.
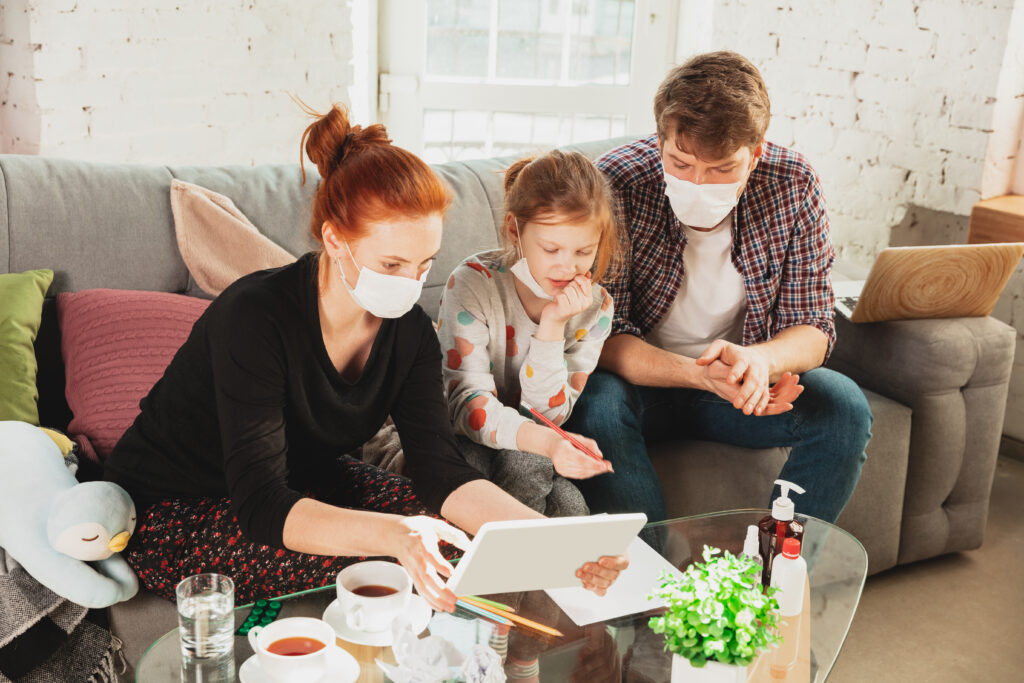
[(527, 477)]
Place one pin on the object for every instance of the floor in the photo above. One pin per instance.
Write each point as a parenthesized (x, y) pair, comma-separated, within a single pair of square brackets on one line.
[(949, 619)]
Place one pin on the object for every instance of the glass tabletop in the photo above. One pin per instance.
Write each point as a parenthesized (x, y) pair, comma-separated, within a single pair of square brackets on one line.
[(621, 649)]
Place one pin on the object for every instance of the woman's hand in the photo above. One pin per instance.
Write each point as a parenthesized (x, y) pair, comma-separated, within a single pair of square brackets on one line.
[(598, 576), (415, 546), (571, 462)]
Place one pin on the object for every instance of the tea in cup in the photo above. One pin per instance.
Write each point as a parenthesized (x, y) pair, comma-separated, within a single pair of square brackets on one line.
[(293, 650), (371, 594)]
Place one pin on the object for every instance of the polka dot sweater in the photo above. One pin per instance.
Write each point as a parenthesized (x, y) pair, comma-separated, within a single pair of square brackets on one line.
[(492, 362)]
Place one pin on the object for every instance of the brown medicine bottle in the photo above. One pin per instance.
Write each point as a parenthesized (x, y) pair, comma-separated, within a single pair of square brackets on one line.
[(773, 529)]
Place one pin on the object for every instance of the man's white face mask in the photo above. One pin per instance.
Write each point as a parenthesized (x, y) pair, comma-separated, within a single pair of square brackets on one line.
[(701, 206), (707, 204)]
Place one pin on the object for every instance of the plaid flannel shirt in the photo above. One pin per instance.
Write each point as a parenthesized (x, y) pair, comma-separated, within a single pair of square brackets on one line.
[(781, 244)]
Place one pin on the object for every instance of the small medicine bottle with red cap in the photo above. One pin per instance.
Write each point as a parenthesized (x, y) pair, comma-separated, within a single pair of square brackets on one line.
[(778, 526), (789, 576)]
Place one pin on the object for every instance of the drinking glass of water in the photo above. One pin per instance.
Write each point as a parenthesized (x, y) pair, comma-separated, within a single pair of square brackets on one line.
[(206, 619)]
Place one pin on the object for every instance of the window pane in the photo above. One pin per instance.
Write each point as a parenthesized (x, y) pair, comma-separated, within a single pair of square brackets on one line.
[(566, 42), (462, 135), (526, 56), (458, 34)]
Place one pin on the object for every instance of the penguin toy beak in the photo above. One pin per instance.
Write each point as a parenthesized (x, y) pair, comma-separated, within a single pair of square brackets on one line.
[(119, 542)]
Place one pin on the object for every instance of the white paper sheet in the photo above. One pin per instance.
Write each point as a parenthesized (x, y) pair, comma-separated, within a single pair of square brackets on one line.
[(628, 595)]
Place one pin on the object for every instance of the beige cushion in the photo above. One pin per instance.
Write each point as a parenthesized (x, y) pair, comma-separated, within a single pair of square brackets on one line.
[(217, 242)]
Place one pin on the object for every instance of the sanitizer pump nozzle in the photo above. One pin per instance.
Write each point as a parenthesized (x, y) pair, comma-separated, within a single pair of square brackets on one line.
[(782, 508)]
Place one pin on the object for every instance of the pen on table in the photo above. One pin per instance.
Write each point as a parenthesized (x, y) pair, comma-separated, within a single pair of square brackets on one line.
[(561, 432), (515, 618), (480, 612)]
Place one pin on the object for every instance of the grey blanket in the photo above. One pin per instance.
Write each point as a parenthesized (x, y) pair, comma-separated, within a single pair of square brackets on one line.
[(45, 638)]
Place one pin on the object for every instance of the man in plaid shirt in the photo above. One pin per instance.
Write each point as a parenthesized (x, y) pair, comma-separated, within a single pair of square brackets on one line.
[(725, 303)]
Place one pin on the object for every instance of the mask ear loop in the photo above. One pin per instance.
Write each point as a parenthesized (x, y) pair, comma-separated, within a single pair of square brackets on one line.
[(519, 238), (354, 262)]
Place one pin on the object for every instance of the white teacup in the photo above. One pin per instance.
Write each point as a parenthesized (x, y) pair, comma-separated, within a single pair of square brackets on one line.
[(292, 668), (370, 613)]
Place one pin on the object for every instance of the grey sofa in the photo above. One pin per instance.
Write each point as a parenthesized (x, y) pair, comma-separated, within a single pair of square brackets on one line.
[(937, 388)]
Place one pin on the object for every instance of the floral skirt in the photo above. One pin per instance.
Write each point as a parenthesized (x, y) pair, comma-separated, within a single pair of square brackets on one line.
[(180, 537)]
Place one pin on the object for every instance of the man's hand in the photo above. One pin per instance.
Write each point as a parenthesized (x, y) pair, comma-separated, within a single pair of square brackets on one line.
[(750, 368), (780, 395)]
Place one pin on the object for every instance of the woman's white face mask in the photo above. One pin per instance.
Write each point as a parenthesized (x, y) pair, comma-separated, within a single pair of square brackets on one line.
[(385, 296)]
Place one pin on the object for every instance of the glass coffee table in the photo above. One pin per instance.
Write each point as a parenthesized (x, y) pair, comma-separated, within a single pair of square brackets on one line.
[(621, 649)]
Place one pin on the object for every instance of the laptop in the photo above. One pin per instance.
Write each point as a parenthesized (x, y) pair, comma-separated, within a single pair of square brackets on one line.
[(945, 281)]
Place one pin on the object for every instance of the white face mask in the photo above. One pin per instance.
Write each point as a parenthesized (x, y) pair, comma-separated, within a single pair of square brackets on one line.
[(521, 270), (385, 296), (700, 206)]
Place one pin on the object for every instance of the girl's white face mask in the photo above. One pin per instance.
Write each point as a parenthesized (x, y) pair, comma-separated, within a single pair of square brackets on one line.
[(701, 206), (385, 296), (521, 270)]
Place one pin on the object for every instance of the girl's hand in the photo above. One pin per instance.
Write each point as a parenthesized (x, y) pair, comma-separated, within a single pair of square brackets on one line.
[(574, 298), (571, 462), (598, 576), (414, 543)]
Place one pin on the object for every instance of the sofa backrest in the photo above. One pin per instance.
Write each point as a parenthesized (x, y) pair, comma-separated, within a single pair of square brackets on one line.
[(110, 225)]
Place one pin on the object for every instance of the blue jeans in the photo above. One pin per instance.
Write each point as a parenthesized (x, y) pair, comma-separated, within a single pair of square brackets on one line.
[(827, 431)]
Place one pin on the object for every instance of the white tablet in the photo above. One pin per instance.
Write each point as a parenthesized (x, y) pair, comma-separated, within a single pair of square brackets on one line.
[(523, 555)]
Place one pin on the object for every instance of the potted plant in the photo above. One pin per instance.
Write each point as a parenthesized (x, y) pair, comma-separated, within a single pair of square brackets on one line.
[(718, 618)]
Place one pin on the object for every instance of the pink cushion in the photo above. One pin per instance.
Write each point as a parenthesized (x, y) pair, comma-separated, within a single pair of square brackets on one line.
[(116, 344)]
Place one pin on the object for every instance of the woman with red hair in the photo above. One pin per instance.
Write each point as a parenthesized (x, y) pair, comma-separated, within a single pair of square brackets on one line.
[(236, 461)]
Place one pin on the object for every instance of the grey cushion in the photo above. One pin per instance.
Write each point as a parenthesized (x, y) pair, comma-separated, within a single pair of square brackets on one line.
[(953, 374), (95, 225)]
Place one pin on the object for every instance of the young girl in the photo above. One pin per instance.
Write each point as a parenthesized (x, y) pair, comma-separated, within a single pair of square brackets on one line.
[(523, 327)]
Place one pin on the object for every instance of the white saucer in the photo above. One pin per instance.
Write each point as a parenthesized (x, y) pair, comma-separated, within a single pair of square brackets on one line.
[(341, 668), (418, 613)]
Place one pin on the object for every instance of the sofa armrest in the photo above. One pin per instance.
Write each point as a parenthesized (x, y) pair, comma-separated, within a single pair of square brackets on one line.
[(954, 375)]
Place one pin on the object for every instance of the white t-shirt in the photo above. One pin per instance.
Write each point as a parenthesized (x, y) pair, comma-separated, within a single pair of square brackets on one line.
[(712, 301)]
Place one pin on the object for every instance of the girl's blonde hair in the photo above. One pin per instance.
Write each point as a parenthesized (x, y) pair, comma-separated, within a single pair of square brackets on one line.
[(565, 185)]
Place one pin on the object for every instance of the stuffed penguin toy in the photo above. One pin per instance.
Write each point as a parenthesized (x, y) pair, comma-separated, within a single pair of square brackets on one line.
[(63, 533)]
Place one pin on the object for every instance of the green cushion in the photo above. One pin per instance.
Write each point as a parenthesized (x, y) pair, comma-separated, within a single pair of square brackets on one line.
[(21, 306)]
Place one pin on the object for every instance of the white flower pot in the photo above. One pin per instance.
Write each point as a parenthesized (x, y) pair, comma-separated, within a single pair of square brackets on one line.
[(711, 672)]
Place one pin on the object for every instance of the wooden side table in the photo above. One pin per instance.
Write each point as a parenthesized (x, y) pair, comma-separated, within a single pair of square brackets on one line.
[(1000, 219)]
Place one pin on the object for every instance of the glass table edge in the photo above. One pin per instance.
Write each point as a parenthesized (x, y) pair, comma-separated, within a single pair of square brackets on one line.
[(667, 522)]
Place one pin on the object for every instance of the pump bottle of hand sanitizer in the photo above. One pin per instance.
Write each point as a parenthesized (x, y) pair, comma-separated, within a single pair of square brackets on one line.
[(775, 528)]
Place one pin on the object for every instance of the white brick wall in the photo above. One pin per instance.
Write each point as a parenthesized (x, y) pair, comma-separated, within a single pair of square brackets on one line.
[(895, 103), (167, 81), (891, 100)]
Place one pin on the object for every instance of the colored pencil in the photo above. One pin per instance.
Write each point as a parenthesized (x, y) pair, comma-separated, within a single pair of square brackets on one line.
[(481, 612), (491, 603), (561, 432), (523, 621)]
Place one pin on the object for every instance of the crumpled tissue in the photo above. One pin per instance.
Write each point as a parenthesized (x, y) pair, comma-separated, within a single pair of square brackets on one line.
[(483, 666), (433, 659)]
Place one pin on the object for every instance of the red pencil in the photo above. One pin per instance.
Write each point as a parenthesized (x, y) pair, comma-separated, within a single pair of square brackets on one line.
[(561, 432)]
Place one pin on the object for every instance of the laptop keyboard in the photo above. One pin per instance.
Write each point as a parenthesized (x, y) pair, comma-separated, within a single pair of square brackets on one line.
[(849, 301)]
